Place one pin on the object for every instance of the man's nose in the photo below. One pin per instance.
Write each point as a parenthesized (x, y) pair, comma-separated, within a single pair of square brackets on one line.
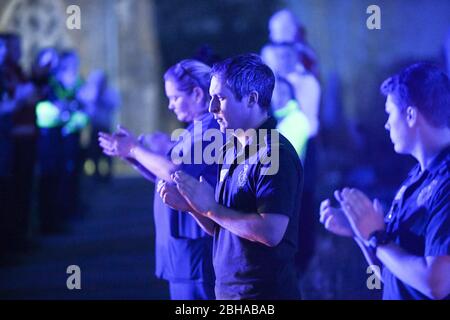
[(213, 106), (387, 126)]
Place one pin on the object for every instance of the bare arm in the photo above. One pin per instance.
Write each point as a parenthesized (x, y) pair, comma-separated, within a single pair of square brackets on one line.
[(141, 169), (126, 146), (265, 228), (205, 223), (429, 275), (157, 164), (371, 259)]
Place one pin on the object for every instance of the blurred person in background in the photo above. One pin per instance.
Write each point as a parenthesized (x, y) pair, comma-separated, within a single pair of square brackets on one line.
[(61, 117), (100, 100), (43, 68), (18, 104), (292, 121), (6, 151), (284, 27), (305, 91)]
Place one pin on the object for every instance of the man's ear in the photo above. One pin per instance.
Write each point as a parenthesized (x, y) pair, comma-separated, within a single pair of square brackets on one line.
[(253, 98), (198, 94), (411, 116)]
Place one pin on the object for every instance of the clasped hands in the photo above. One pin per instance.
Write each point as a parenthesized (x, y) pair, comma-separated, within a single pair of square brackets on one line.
[(186, 193), (357, 216)]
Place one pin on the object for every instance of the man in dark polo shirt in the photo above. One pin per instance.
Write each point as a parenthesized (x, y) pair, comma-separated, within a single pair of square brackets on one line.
[(254, 213), (412, 241)]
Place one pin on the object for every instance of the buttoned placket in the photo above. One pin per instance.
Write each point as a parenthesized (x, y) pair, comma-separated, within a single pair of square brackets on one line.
[(395, 215)]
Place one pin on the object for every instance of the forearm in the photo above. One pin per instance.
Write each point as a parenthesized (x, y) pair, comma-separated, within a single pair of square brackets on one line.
[(157, 164), (371, 259), (413, 270), (205, 223), (251, 226), (141, 169)]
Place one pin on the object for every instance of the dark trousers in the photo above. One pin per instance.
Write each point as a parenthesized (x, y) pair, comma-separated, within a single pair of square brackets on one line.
[(308, 212), (23, 176), (50, 164), (5, 212), (70, 184), (191, 290)]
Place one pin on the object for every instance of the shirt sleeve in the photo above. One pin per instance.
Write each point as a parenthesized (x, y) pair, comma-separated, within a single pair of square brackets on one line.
[(195, 164), (437, 242), (280, 192)]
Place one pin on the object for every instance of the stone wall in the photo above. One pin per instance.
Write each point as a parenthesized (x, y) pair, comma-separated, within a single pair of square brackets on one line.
[(118, 36)]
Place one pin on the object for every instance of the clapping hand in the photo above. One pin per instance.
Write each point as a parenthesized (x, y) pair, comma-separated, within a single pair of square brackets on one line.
[(364, 216), (198, 193), (118, 144)]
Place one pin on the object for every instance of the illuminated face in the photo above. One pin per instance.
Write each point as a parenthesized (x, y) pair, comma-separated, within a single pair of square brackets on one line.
[(228, 111), (68, 70), (180, 102), (282, 28), (397, 125)]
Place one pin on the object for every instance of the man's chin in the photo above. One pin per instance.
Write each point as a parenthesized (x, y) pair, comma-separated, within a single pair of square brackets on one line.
[(398, 149), (182, 118)]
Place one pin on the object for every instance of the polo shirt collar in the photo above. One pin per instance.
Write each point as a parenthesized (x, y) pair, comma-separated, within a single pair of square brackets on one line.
[(442, 156), (269, 124)]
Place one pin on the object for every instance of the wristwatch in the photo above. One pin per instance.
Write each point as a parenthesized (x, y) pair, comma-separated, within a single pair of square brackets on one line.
[(378, 238)]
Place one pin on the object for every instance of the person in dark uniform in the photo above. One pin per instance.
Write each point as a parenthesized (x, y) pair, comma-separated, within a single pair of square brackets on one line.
[(412, 241), (183, 249), (57, 152), (305, 91), (66, 86), (49, 146), (253, 215), (60, 117), (19, 96), (25, 135), (6, 153)]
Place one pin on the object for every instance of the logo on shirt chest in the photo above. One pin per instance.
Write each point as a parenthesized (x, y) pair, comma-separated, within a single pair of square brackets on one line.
[(426, 193), (397, 199), (243, 176)]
